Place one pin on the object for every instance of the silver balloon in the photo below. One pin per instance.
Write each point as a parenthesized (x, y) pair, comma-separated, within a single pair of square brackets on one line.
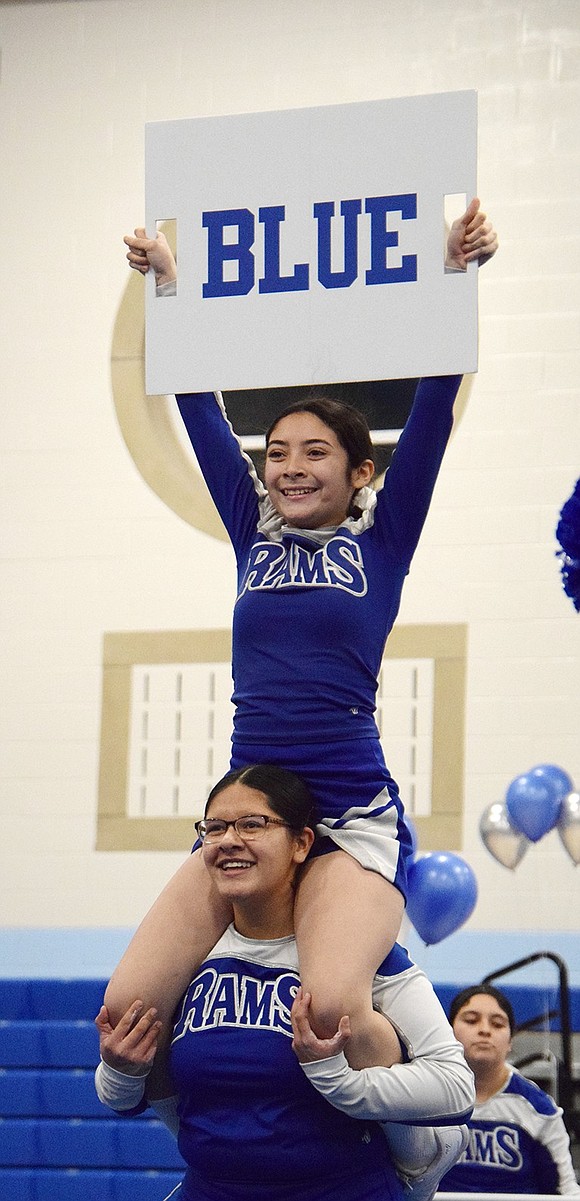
[(568, 826), (505, 843)]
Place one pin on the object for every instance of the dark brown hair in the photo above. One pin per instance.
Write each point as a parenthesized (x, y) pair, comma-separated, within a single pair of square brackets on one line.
[(487, 990), (287, 794), (349, 425)]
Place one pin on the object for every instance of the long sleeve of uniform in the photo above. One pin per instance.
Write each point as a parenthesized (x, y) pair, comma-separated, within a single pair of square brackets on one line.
[(125, 1095), (435, 1087), (557, 1143), (405, 497), (120, 1091), (229, 473)]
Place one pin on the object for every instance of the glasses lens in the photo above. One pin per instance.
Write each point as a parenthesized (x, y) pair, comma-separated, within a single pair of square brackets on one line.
[(210, 831), (251, 827)]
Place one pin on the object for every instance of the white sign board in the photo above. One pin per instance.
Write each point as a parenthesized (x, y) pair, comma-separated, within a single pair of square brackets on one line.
[(310, 245)]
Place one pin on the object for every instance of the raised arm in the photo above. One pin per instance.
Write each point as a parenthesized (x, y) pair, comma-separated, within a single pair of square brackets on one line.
[(403, 501), (228, 472)]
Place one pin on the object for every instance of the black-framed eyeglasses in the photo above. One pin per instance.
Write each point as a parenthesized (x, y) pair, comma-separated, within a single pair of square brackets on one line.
[(211, 829)]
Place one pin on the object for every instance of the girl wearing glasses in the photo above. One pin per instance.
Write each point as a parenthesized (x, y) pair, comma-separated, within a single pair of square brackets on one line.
[(249, 1121), (321, 561)]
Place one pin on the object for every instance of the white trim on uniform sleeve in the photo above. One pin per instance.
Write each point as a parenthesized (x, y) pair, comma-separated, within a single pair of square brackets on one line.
[(117, 1089)]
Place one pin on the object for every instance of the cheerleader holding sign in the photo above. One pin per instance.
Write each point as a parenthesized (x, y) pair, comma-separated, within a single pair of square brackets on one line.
[(321, 560)]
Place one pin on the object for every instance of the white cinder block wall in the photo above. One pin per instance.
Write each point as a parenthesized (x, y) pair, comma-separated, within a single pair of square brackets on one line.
[(86, 547)]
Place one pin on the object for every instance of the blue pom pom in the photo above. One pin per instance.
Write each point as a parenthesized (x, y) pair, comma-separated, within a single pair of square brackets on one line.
[(568, 535)]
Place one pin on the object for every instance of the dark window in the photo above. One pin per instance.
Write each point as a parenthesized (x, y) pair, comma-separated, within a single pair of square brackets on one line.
[(385, 404)]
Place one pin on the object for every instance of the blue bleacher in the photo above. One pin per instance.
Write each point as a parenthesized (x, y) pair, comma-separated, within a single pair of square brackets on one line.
[(57, 1142), (40, 1184), (28, 1093)]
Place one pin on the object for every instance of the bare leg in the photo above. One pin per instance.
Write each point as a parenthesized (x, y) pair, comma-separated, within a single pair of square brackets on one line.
[(182, 926), (347, 920)]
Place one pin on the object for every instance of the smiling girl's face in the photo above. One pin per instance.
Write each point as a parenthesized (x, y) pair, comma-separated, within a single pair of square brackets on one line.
[(307, 473), (254, 871)]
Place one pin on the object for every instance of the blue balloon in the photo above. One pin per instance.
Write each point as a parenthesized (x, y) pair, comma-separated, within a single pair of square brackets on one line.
[(555, 776), (442, 895), (533, 802)]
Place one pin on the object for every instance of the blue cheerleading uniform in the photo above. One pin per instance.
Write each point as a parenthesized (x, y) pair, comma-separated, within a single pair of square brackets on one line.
[(312, 615), (250, 1122), (518, 1143)]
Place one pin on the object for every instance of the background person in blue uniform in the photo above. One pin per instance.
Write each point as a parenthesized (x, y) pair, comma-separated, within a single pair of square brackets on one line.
[(518, 1142), (321, 560), (250, 1123)]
